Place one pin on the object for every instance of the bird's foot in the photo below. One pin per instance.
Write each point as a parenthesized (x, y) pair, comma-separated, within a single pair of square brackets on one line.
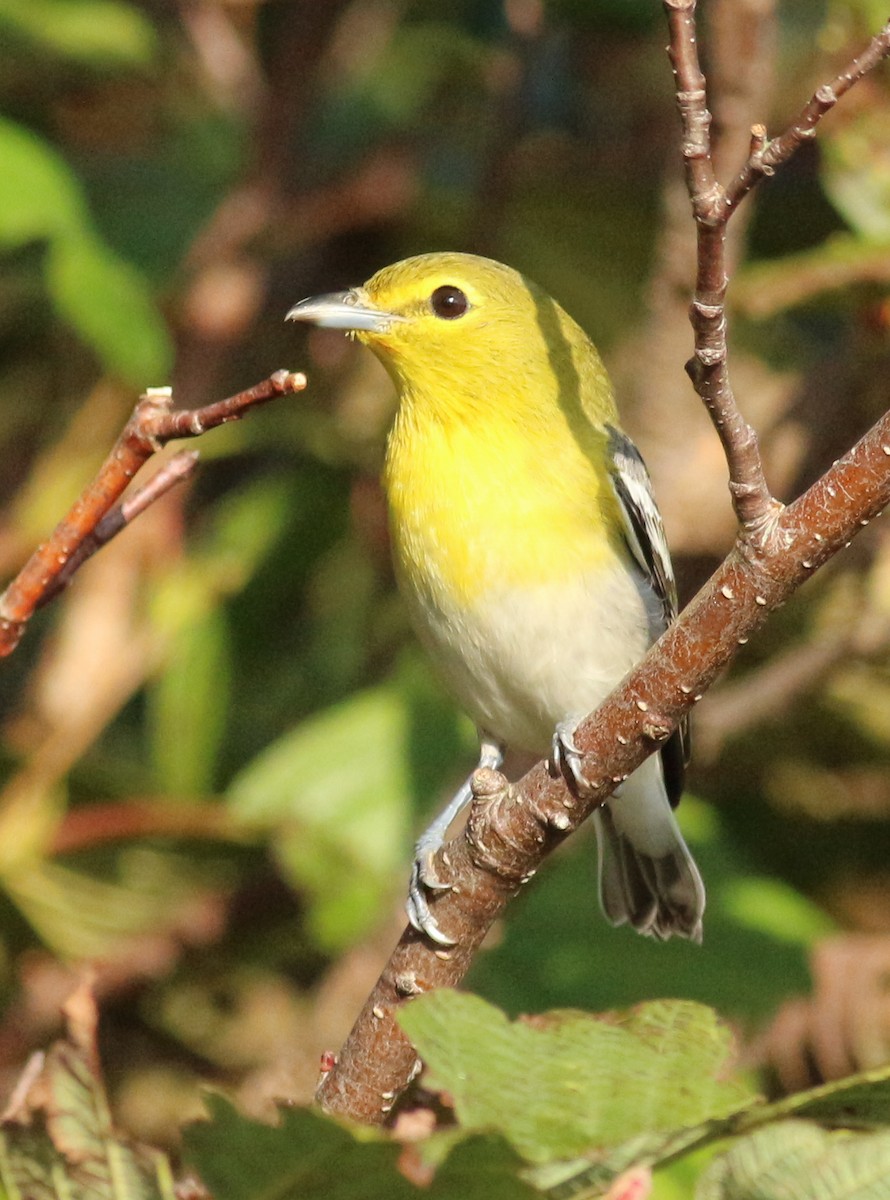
[(566, 757), (424, 876), (424, 879)]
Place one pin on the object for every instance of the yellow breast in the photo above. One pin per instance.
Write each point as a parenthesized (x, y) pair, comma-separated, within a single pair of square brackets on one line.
[(484, 504)]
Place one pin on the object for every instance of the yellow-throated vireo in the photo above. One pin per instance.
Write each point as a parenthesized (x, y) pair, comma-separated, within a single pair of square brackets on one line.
[(528, 548)]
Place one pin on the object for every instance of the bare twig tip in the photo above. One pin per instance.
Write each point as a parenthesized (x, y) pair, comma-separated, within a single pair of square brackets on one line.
[(289, 381)]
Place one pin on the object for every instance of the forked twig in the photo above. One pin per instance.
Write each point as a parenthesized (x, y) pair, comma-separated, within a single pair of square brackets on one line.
[(96, 516)]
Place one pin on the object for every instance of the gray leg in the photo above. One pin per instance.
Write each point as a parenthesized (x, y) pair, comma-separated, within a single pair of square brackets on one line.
[(423, 871)]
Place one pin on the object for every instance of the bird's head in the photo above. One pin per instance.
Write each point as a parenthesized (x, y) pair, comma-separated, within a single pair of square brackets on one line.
[(461, 326)]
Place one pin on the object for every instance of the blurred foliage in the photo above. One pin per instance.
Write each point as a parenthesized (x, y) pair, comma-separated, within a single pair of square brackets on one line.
[(57, 1138), (218, 745)]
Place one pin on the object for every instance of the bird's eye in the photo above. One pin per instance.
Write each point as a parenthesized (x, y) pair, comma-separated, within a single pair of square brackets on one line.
[(449, 302)]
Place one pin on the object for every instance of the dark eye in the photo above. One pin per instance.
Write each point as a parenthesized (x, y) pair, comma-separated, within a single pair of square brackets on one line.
[(449, 302)]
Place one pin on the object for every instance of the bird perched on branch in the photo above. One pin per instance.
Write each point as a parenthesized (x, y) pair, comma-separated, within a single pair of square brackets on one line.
[(528, 548)]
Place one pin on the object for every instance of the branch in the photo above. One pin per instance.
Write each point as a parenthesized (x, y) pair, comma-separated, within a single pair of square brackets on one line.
[(176, 470), (754, 505), (512, 828), (741, 78), (96, 516)]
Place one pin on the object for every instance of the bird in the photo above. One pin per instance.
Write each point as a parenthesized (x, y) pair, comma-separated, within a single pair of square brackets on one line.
[(528, 548)]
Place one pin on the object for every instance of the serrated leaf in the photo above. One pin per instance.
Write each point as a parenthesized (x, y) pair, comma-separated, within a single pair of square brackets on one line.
[(857, 1102), (101, 33), (308, 1156), (794, 1160), (568, 1082)]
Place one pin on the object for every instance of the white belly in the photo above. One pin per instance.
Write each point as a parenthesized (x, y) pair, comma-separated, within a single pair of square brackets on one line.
[(520, 661)]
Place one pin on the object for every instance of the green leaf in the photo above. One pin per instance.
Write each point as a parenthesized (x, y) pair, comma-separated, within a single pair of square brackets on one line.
[(336, 790), (560, 952), (416, 61), (104, 298), (771, 906), (99, 33), (308, 1156), (857, 1102), (84, 916), (561, 1084), (856, 170), (39, 195), (188, 705), (109, 303), (794, 1159)]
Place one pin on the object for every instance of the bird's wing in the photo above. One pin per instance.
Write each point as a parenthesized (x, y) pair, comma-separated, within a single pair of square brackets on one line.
[(645, 537), (643, 528)]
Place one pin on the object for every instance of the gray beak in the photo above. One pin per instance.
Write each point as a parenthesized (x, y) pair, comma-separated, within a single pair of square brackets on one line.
[(343, 310)]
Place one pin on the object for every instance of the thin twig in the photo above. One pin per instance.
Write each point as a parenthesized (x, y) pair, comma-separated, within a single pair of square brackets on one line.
[(175, 471), (755, 507), (152, 425), (766, 156)]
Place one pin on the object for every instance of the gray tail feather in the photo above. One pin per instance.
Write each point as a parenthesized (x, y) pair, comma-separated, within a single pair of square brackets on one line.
[(659, 896)]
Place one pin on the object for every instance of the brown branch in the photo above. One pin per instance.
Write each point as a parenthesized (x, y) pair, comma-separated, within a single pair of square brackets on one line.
[(688, 477), (96, 517), (512, 828), (176, 470), (96, 824), (755, 507)]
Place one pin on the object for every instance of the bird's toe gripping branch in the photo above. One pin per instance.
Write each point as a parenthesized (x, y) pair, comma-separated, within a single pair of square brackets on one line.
[(424, 879), (566, 758), (486, 789)]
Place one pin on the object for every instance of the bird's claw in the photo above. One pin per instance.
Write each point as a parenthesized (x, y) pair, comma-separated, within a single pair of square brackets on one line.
[(424, 871), (424, 879), (565, 759)]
